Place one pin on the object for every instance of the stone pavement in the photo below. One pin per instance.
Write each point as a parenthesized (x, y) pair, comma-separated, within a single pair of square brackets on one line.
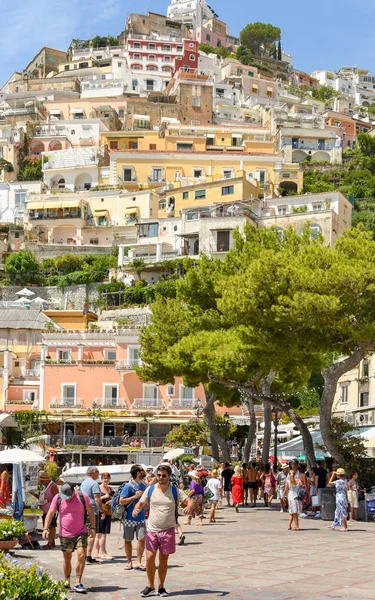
[(245, 556)]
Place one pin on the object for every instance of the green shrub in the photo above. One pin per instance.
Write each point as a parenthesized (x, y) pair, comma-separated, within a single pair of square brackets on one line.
[(52, 469), (27, 582), (10, 529)]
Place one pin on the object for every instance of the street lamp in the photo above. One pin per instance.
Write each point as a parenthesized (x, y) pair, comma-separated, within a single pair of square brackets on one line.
[(275, 424)]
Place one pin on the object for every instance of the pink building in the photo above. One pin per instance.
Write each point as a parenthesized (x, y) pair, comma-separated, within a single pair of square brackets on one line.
[(85, 375), (214, 33)]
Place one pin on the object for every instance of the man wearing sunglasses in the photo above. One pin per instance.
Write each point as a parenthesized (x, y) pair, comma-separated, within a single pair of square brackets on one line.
[(163, 499)]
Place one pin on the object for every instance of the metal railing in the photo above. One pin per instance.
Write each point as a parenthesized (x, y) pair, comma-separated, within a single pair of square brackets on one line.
[(152, 259), (106, 441), (111, 402), (144, 403), (61, 402), (127, 365), (182, 403)]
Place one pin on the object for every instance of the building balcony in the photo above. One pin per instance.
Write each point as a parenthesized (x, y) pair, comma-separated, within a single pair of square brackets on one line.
[(182, 404), (160, 38), (61, 402), (53, 216), (153, 258), (126, 365), (148, 403), (111, 403)]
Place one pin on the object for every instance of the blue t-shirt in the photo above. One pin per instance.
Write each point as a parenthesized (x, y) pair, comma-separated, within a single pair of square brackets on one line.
[(129, 491), (91, 487)]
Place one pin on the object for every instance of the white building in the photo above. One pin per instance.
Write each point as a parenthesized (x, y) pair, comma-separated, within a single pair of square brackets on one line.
[(13, 197), (192, 13), (75, 169)]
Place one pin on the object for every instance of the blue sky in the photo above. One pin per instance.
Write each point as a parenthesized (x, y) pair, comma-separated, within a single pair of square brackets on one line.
[(322, 35)]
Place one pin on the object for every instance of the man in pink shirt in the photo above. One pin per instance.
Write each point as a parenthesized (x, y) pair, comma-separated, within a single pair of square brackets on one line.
[(73, 505)]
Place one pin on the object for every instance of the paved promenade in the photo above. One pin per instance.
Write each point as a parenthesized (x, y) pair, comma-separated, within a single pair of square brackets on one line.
[(245, 556)]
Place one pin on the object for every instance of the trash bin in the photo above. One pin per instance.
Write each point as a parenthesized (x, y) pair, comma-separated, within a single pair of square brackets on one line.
[(328, 503)]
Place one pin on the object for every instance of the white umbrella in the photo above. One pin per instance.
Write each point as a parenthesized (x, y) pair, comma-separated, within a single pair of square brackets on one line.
[(17, 455), (39, 300), (174, 453), (21, 300), (7, 420), (25, 292)]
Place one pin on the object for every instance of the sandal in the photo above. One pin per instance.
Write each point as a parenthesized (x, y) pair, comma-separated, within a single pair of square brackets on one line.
[(128, 568), (140, 568)]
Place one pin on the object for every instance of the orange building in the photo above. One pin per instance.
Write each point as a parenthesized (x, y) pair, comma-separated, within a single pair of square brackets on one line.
[(90, 388)]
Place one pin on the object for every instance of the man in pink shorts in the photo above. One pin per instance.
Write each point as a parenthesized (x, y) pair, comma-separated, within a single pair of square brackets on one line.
[(163, 499)]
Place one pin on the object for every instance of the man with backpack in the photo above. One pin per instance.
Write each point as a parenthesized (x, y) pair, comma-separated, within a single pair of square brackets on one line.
[(73, 506), (129, 496), (163, 499)]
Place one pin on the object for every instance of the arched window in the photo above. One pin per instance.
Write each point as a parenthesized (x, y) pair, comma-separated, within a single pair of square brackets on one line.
[(315, 230)]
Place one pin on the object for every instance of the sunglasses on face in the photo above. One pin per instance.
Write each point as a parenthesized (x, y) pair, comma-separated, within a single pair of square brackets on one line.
[(162, 475)]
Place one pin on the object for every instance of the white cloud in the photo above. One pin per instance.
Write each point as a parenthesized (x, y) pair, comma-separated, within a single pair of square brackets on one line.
[(27, 27)]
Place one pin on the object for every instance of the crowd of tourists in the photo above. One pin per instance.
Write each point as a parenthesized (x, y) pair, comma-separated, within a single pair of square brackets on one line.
[(148, 507)]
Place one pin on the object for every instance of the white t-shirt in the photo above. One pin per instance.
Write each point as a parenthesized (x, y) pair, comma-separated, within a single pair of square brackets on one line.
[(214, 485), (162, 508)]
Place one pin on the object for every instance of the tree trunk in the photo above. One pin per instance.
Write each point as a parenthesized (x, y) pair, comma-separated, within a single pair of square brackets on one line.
[(331, 376), (265, 385), (210, 418), (306, 437), (267, 417), (252, 428)]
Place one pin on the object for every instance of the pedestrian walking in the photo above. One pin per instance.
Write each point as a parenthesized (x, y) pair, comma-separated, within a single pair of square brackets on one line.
[(90, 486), (46, 496), (245, 472), (269, 483), (196, 494), (281, 479), (163, 500), (226, 476), (292, 487), (338, 479), (252, 482), (134, 525), (100, 546), (305, 483), (237, 487), (320, 483), (216, 489), (353, 496), (74, 506)]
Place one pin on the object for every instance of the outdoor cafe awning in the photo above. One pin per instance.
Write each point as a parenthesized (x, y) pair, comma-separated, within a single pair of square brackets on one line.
[(35, 205), (131, 211), (71, 204), (48, 205), (101, 213)]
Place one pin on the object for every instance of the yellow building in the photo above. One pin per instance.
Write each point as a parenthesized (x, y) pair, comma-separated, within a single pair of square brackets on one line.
[(154, 169), (215, 189), (176, 137), (72, 319), (191, 154)]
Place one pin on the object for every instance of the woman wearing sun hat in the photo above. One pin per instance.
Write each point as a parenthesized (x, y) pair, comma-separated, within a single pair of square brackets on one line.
[(338, 479)]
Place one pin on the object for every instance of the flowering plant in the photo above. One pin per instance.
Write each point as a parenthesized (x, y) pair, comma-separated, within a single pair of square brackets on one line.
[(27, 581), (11, 530)]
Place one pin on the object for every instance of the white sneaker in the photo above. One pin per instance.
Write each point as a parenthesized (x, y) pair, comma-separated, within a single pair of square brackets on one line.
[(317, 516), (303, 515), (281, 510)]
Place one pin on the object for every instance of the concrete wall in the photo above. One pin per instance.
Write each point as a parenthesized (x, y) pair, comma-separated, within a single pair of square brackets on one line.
[(62, 298), (41, 251)]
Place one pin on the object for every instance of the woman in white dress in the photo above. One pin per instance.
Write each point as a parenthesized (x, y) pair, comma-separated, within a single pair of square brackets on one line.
[(291, 489)]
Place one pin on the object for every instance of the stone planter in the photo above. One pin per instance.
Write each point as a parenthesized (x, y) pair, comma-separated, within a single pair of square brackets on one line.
[(7, 545)]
